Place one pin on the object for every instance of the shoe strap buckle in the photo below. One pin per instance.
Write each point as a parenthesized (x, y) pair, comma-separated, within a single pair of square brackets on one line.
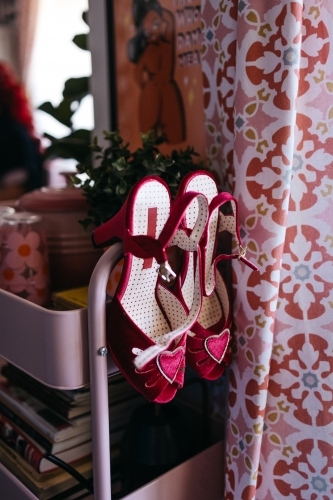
[(242, 252), (165, 272)]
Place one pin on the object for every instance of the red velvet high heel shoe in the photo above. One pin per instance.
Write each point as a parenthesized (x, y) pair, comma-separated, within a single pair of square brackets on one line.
[(147, 325), (208, 350)]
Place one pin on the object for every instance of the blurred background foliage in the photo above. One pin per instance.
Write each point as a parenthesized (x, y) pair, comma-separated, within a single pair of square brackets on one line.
[(76, 143)]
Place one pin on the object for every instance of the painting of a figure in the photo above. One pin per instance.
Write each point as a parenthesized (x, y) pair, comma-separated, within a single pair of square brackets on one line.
[(152, 49), (158, 73)]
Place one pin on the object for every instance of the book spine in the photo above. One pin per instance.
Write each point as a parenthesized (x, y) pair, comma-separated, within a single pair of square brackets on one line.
[(16, 440), (15, 420), (37, 391), (36, 414), (17, 377)]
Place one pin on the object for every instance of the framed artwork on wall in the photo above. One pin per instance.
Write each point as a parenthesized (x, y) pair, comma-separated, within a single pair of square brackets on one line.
[(152, 75)]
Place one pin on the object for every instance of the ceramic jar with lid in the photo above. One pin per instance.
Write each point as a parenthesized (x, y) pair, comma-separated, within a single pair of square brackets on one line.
[(72, 256), (24, 268)]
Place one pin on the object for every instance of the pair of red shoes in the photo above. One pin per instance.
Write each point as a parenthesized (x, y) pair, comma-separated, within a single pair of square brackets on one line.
[(152, 330)]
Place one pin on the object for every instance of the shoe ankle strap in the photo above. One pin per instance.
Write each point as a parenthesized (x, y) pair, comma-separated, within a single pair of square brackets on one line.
[(230, 223)]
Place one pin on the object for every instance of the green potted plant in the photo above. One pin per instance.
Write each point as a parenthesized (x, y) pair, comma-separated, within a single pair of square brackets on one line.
[(107, 184)]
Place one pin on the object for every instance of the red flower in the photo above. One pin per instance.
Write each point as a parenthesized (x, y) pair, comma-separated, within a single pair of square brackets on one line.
[(13, 100)]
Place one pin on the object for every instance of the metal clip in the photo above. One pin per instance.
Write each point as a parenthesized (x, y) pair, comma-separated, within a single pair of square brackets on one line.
[(242, 252), (166, 272)]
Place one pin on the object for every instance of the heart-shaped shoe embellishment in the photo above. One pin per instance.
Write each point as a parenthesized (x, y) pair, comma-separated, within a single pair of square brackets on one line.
[(169, 363), (216, 345)]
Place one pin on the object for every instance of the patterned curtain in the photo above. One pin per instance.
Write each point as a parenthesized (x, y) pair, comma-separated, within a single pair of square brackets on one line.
[(268, 79)]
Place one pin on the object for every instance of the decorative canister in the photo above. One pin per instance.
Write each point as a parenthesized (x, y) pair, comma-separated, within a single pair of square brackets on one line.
[(24, 267), (71, 254)]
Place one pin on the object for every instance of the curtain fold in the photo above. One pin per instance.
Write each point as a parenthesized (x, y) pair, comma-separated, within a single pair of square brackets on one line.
[(269, 67), (27, 11)]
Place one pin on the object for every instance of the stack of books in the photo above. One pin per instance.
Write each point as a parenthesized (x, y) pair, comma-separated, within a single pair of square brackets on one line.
[(36, 421), (67, 300)]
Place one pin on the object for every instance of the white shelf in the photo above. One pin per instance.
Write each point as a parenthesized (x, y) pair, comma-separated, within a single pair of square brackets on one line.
[(199, 478), (51, 346)]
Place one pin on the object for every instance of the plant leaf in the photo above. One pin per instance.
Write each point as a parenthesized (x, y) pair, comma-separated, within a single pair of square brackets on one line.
[(75, 89), (63, 113), (85, 17), (74, 145), (81, 41), (121, 188), (120, 164)]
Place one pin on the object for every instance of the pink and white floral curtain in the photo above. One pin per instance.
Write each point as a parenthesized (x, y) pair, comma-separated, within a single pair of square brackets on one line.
[(268, 81)]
